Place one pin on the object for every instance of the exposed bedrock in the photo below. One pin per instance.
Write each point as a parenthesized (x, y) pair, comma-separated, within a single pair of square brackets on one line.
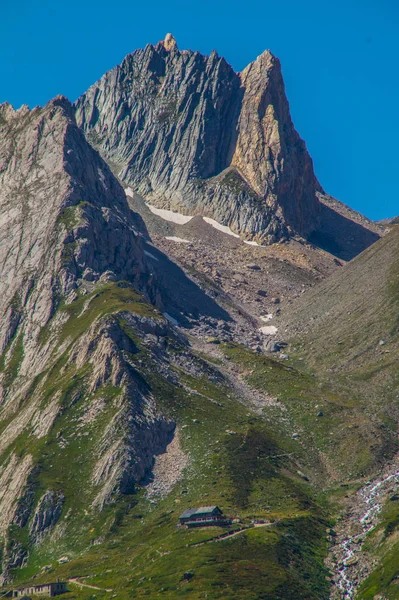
[(190, 134)]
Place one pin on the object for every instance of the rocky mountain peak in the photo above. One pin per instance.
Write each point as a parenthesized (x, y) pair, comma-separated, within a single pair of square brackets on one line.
[(64, 104), (64, 207), (190, 134), (169, 42), (262, 67), (7, 111)]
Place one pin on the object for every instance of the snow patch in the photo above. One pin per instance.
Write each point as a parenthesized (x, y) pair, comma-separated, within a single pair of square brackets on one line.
[(169, 215), (268, 330), (220, 227), (170, 318), (174, 217), (150, 255), (174, 238)]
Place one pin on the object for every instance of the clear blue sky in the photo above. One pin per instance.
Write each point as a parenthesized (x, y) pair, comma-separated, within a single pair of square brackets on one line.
[(339, 58)]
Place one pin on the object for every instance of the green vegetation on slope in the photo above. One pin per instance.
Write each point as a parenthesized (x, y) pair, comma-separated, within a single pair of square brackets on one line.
[(245, 462), (335, 435), (347, 331)]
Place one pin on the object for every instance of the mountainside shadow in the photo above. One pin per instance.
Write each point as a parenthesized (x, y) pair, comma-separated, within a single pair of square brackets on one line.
[(181, 297), (341, 236)]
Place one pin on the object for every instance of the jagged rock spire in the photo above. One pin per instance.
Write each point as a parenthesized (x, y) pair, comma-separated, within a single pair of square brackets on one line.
[(169, 42), (193, 135)]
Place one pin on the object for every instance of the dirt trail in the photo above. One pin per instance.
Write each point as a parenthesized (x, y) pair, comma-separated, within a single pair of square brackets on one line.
[(230, 534), (76, 581)]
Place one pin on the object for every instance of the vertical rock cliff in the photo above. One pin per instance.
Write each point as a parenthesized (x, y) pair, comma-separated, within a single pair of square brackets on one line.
[(188, 133), (64, 217)]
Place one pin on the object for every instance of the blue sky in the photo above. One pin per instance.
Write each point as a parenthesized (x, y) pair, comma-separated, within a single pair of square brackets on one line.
[(339, 59)]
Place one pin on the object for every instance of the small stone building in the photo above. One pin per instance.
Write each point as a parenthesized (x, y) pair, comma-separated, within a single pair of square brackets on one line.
[(43, 589), (203, 516)]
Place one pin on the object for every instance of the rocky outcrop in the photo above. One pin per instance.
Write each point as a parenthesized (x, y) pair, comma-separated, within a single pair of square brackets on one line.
[(269, 152), (13, 478), (65, 221), (169, 42), (46, 515), (190, 134), (14, 473), (17, 556), (24, 509), (124, 462), (138, 430), (168, 468)]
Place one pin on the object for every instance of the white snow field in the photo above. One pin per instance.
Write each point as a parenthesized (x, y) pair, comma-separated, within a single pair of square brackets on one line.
[(220, 227), (169, 215), (251, 243), (174, 238)]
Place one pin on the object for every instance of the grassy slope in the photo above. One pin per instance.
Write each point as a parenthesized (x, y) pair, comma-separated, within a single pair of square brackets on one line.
[(338, 444), (64, 458), (347, 330), (250, 474), (258, 472), (338, 326)]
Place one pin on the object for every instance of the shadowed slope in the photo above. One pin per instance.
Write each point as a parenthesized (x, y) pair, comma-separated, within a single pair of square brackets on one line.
[(345, 317)]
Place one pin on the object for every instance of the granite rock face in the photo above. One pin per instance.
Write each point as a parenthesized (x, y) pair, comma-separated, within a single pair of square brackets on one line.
[(46, 515), (67, 237), (64, 217), (188, 133)]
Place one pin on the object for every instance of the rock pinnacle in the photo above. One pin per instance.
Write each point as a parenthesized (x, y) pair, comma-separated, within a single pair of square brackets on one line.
[(169, 42)]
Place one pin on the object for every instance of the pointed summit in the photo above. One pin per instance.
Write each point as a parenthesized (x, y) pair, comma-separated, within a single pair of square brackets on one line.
[(189, 117), (169, 42)]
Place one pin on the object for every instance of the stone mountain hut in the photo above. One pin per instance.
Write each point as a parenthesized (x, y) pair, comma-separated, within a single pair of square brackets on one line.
[(203, 516)]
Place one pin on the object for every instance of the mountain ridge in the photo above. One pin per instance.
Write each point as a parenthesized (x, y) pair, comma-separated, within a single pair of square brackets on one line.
[(74, 264), (191, 135)]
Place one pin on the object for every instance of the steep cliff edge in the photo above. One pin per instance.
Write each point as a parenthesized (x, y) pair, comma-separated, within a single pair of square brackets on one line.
[(190, 134), (73, 274), (64, 219)]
